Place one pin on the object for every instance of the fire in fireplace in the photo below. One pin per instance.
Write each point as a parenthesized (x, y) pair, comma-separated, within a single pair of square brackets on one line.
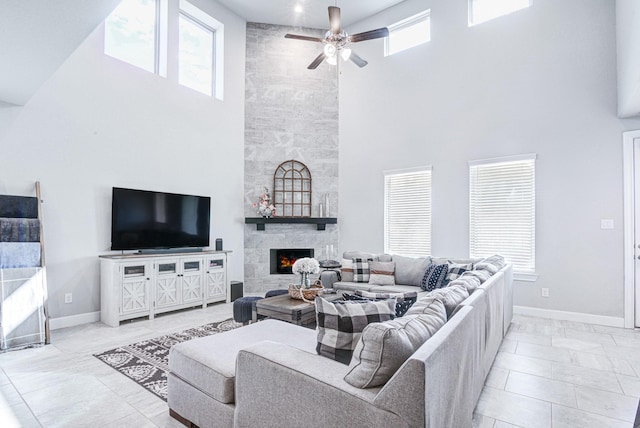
[(282, 259)]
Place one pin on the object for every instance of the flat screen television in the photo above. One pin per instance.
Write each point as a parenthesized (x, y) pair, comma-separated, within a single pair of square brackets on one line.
[(143, 220)]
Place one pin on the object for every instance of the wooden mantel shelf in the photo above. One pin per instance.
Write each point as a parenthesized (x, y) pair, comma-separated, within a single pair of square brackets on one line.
[(320, 222)]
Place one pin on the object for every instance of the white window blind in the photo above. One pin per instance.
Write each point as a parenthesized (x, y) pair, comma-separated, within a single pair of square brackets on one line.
[(407, 212), (502, 210)]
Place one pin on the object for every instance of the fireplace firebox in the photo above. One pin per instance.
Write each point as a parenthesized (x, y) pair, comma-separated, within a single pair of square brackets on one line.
[(282, 259)]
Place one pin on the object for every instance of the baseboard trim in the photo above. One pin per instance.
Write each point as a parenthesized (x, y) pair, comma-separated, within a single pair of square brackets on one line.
[(569, 316), (73, 320)]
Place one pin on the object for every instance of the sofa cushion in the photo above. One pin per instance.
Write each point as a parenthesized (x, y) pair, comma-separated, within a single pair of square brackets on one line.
[(360, 270), (451, 297), (341, 323), (352, 286), (209, 363), (403, 300), (492, 264), (456, 270), (384, 347), (381, 273), (481, 274), (469, 282), (434, 276), (409, 270), (347, 270)]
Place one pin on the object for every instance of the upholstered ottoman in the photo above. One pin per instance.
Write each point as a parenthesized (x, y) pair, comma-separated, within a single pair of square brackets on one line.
[(243, 308), (201, 381)]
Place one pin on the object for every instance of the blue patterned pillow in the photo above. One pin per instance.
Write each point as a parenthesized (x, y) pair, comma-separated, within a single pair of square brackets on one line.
[(434, 276)]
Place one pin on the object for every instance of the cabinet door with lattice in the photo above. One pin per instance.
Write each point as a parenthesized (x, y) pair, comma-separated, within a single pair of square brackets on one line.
[(216, 281), (167, 284), (192, 280), (292, 189), (134, 294)]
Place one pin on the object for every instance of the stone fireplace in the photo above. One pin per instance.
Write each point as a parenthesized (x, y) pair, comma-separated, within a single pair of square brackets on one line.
[(290, 113)]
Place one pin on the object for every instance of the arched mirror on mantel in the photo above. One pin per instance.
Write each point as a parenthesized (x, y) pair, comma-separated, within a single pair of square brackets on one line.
[(292, 189)]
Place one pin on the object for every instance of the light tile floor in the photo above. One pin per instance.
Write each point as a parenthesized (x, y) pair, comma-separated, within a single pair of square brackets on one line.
[(551, 373), (547, 374)]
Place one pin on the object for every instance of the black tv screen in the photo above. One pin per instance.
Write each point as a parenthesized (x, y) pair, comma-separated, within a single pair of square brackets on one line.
[(153, 220)]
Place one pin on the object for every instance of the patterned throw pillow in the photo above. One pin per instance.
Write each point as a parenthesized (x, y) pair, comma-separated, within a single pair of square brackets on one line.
[(381, 273), (346, 270), (386, 346), (404, 300), (455, 271), (434, 276), (340, 324), (360, 269)]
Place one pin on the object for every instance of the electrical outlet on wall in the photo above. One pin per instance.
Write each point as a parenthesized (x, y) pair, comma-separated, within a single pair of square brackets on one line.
[(68, 297), (545, 292)]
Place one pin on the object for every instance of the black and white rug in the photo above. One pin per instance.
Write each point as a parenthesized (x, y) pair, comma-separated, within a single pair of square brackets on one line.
[(147, 362)]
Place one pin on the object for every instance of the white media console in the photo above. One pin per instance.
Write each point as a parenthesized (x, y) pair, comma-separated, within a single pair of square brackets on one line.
[(142, 285)]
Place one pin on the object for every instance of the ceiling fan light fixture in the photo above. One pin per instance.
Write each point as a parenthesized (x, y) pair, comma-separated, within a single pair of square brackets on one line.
[(331, 60), (345, 53), (330, 50)]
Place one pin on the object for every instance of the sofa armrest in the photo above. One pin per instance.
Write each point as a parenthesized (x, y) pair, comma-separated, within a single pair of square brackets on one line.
[(283, 386)]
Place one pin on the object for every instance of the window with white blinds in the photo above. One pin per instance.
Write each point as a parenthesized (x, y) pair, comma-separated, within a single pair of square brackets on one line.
[(407, 212), (502, 202)]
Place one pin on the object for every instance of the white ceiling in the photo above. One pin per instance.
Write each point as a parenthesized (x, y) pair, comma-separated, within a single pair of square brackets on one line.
[(315, 13), (37, 36)]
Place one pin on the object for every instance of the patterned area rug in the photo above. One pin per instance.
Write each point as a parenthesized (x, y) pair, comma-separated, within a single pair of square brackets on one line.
[(147, 362)]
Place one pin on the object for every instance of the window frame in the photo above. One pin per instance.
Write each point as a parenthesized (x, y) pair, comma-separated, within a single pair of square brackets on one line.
[(195, 21), (156, 40), (523, 275), (473, 23), (210, 23), (403, 172), (166, 43), (411, 21)]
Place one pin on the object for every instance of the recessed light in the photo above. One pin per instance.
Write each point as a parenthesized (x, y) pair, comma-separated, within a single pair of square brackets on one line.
[(298, 8)]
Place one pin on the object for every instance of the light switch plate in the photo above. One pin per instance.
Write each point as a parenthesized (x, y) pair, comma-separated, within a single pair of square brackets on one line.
[(606, 223)]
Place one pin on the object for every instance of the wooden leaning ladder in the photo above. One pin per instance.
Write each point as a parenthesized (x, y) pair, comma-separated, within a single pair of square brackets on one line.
[(47, 335)]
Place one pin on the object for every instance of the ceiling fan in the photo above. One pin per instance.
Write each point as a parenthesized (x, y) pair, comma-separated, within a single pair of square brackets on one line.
[(336, 41)]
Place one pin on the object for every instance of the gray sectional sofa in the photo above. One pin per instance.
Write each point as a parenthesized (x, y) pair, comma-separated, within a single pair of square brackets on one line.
[(268, 374)]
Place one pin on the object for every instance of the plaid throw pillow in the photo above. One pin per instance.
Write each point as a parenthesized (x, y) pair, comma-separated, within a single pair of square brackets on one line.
[(340, 324), (404, 300), (434, 276), (455, 271), (360, 269)]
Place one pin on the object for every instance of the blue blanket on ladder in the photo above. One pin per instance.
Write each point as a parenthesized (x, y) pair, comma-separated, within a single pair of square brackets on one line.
[(19, 230), (19, 255)]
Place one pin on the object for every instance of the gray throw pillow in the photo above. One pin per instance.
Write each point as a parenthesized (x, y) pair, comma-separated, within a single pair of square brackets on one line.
[(385, 346), (451, 297), (409, 270)]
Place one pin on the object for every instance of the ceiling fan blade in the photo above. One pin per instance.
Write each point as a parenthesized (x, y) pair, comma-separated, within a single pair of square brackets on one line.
[(307, 38), (334, 19), (316, 62), (368, 35), (357, 60)]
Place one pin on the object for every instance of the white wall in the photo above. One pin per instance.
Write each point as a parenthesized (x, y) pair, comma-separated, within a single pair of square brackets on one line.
[(542, 80), (628, 39), (99, 123)]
